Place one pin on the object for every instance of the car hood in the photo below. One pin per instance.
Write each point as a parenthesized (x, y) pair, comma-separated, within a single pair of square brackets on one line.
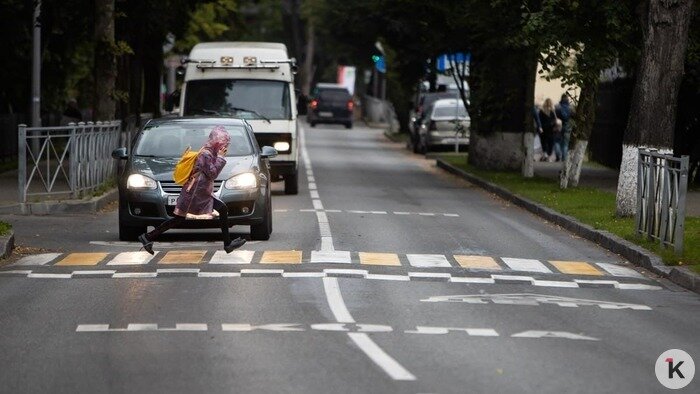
[(161, 168)]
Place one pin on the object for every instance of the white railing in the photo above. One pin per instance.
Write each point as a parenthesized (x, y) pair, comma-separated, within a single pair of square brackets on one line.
[(67, 161), (662, 185)]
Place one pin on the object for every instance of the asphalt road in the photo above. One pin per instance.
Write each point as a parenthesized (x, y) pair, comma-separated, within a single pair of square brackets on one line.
[(383, 275)]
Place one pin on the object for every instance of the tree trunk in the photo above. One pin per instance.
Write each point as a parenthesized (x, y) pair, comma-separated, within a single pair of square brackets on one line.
[(528, 167), (583, 121), (653, 111), (105, 61), (307, 69)]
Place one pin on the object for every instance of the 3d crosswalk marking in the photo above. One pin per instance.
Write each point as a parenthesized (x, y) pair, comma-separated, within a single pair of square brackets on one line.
[(575, 268), (37, 259), (281, 257), (338, 257), (132, 258), (235, 257), (82, 259), (478, 262), (428, 260), (527, 265), (183, 257), (618, 270), (379, 259)]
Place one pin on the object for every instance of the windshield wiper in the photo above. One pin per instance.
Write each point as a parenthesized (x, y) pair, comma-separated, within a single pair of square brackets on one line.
[(252, 111)]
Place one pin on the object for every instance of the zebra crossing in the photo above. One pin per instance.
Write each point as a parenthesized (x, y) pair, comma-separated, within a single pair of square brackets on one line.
[(175, 258)]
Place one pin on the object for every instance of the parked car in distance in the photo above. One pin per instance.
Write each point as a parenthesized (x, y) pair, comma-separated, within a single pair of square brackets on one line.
[(147, 192), (424, 101), (330, 103), (446, 122)]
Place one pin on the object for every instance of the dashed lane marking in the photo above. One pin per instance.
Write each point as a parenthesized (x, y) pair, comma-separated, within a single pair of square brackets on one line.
[(183, 257), (618, 270), (379, 259), (82, 259), (235, 257), (319, 208), (281, 257), (428, 260), (132, 258), (478, 262), (575, 268), (338, 257), (528, 265)]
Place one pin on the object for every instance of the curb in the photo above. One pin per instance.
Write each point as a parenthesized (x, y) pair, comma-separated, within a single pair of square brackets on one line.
[(630, 251), (92, 205), (7, 242)]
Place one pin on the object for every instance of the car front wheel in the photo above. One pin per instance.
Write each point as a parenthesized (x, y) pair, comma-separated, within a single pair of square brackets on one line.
[(261, 232)]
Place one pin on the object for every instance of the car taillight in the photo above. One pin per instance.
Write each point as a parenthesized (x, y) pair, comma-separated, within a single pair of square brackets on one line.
[(314, 104), (432, 126), (351, 105)]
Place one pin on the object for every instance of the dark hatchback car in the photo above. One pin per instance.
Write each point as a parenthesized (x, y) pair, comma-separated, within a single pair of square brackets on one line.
[(147, 192), (330, 103)]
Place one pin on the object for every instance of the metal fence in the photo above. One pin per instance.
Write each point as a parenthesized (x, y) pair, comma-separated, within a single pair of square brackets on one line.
[(662, 185), (65, 162)]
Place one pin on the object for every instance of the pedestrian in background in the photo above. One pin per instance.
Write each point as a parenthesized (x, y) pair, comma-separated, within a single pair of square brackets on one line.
[(564, 112), (72, 113), (547, 117), (196, 196)]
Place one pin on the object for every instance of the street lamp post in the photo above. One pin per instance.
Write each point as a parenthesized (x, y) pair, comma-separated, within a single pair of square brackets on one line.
[(36, 66)]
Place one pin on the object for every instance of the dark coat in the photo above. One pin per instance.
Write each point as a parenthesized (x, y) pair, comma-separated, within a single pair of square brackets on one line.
[(196, 194), (547, 122)]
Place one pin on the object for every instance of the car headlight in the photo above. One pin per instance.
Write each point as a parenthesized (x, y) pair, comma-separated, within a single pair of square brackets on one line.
[(281, 146), (247, 180), (138, 181)]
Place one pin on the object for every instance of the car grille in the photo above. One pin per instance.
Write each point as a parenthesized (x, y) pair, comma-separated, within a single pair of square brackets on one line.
[(171, 187)]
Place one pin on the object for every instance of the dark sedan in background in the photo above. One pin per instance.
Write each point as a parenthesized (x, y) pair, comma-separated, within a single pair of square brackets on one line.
[(330, 103), (147, 192)]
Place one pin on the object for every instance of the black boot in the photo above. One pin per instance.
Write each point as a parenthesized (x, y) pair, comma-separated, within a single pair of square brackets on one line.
[(233, 245), (147, 245)]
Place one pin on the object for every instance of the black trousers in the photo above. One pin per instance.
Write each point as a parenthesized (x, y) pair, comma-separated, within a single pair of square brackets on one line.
[(177, 221)]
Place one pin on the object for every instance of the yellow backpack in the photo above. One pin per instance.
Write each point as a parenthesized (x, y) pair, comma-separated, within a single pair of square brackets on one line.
[(184, 167)]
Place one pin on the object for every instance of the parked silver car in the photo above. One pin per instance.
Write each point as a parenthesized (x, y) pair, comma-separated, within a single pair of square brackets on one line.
[(446, 123)]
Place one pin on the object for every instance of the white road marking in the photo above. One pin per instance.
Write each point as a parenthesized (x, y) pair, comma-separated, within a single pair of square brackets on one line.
[(335, 301), (92, 328), (378, 212), (400, 278), (379, 356), (348, 272), (552, 334), (219, 275), (177, 271), (636, 286), (426, 214), (262, 272), (554, 283), (132, 258), (37, 259), (16, 272), (142, 327), (323, 227), (235, 257), (335, 256), (135, 275), (304, 274), (618, 270), (187, 327), (513, 278), (451, 215), (458, 279), (528, 265), (356, 211), (49, 276), (280, 210), (333, 211), (475, 332), (429, 275), (279, 327), (95, 272), (428, 260), (402, 213)]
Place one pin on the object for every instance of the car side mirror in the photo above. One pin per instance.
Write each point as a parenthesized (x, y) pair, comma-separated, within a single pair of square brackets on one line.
[(268, 152), (120, 154)]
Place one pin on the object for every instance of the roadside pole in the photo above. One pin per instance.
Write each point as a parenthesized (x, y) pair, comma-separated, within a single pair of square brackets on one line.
[(36, 72)]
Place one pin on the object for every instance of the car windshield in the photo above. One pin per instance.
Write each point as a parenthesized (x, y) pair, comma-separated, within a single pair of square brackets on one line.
[(242, 98), (171, 139), (444, 112)]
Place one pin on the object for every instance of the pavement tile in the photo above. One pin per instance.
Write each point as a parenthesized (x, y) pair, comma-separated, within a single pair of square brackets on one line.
[(235, 257), (478, 262), (281, 257), (428, 260), (526, 265), (82, 259), (379, 259), (575, 268), (183, 257)]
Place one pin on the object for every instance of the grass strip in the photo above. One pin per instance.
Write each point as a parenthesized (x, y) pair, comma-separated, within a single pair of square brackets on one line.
[(5, 228), (590, 206)]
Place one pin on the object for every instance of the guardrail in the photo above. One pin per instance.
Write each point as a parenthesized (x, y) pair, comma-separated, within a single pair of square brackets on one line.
[(67, 161), (662, 185)]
